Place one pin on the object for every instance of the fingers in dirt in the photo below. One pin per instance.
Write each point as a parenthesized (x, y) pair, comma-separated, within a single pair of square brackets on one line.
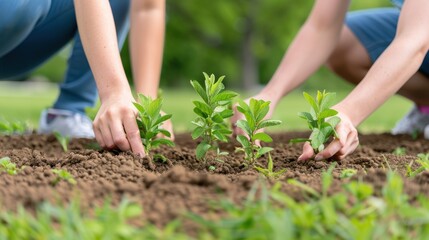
[(307, 152)]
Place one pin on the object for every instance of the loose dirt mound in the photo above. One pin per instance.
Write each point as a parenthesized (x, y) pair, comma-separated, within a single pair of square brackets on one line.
[(187, 185)]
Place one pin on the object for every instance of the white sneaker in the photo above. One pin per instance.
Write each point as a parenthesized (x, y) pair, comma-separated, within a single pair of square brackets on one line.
[(413, 122), (66, 122)]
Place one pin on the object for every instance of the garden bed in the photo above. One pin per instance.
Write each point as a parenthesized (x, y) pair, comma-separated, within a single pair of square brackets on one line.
[(187, 185)]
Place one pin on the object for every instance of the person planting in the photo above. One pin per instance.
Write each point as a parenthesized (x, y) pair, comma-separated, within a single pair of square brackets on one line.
[(33, 31), (383, 51)]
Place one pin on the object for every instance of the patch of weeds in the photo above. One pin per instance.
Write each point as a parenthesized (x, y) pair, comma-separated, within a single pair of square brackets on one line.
[(348, 173), (150, 123), (269, 171), (213, 112), (63, 175), (400, 151), (252, 125), (321, 120), (7, 166), (423, 160), (63, 140)]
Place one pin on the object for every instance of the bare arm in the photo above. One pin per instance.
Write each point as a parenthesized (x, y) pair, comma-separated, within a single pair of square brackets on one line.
[(147, 42), (115, 124), (309, 50)]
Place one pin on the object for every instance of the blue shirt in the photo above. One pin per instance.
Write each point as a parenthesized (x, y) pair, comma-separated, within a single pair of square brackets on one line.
[(398, 3)]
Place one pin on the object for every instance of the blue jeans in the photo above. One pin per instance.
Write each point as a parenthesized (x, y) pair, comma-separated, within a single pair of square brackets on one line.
[(31, 31)]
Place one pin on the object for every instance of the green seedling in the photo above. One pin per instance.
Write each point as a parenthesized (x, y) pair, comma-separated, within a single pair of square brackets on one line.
[(423, 160), (63, 140), (17, 127), (212, 168), (252, 125), (321, 120), (7, 166), (149, 122), (63, 175), (399, 151), (213, 112), (269, 171), (347, 173)]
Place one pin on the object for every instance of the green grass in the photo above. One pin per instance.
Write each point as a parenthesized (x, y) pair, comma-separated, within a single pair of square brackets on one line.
[(25, 104)]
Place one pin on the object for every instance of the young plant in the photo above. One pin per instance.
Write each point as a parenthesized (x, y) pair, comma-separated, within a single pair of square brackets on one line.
[(423, 160), (269, 171), (213, 111), (252, 125), (63, 140), (63, 175), (7, 166), (149, 122), (321, 120), (347, 173), (399, 151), (17, 127)]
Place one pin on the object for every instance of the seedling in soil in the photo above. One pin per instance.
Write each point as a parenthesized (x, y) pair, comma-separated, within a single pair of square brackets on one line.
[(213, 112), (399, 151), (347, 173), (63, 175), (8, 128), (423, 160), (150, 123), (7, 166), (269, 171), (63, 140), (321, 120), (252, 125)]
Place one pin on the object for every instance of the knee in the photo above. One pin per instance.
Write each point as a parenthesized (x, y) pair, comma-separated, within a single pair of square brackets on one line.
[(18, 15)]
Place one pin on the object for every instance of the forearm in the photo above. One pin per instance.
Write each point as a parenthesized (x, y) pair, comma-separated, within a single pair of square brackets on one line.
[(309, 50), (146, 44), (384, 79), (98, 35)]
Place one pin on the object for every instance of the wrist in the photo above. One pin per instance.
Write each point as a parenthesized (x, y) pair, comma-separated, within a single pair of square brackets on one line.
[(115, 91)]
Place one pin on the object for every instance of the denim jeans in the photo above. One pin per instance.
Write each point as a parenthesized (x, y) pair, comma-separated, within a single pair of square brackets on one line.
[(31, 31)]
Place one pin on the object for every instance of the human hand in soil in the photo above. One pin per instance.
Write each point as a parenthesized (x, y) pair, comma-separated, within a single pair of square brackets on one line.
[(115, 125), (238, 115), (340, 147)]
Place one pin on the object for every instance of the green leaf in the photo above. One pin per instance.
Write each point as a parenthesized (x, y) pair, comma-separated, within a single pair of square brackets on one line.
[(327, 113), (162, 141), (199, 89), (224, 96), (306, 116), (203, 107), (244, 126), (164, 132), (162, 119), (333, 121), (154, 108), (139, 107), (264, 150), (243, 141), (202, 149), (217, 118), (198, 131), (263, 137), (268, 123), (311, 101), (327, 101), (220, 136), (200, 113), (299, 140), (317, 138), (227, 113)]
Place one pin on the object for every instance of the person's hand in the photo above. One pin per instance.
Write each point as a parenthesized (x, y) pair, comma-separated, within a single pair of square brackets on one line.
[(340, 147), (115, 125), (167, 125)]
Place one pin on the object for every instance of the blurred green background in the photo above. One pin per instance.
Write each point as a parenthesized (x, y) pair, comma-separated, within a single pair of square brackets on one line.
[(242, 39)]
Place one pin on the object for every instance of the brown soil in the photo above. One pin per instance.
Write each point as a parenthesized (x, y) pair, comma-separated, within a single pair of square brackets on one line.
[(187, 185)]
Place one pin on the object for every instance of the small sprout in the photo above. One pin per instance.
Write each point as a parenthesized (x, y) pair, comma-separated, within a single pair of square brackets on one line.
[(7, 166), (212, 168), (9, 128), (269, 171), (63, 140), (63, 175), (321, 120), (160, 158), (150, 123), (399, 151), (252, 125), (423, 160), (213, 111), (347, 173)]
